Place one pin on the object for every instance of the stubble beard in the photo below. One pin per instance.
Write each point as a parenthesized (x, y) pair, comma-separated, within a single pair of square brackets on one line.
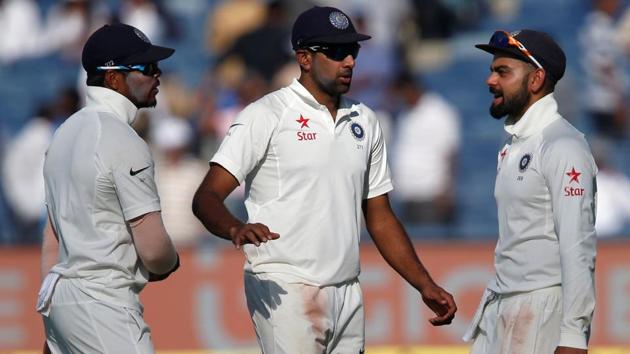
[(333, 88), (514, 106), (141, 99)]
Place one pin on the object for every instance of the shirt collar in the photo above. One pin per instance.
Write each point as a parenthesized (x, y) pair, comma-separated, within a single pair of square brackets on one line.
[(535, 119), (120, 105), (308, 98)]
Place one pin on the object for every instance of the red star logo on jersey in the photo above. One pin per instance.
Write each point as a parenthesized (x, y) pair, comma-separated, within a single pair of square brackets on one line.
[(303, 121), (574, 175), (503, 153)]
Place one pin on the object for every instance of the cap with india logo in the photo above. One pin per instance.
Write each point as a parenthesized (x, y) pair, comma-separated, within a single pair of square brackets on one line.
[(324, 25)]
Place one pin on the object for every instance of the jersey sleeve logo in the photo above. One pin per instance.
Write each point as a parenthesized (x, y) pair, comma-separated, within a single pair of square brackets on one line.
[(133, 173), (357, 131), (574, 176)]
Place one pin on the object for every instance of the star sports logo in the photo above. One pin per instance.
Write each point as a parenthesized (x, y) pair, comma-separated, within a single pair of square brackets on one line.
[(570, 191), (305, 135), (502, 154), (303, 122)]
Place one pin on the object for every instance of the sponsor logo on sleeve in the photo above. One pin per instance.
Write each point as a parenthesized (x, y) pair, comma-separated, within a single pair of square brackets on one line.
[(135, 172), (574, 178)]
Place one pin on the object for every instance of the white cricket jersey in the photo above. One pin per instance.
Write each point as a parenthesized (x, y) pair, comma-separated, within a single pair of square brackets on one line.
[(545, 192), (98, 174), (306, 176)]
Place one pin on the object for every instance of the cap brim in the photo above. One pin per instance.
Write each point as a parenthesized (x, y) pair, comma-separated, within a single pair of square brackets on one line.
[(339, 38), (512, 52), (153, 54)]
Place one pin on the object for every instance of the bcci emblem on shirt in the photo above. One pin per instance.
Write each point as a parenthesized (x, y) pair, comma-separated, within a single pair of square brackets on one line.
[(524, 163), (357, 131)]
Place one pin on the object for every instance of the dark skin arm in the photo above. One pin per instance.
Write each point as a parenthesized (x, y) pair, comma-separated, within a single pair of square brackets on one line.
[(209, 208), (394, 245)]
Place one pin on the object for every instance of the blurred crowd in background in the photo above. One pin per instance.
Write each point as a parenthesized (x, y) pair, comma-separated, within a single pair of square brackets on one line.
[(420, 72)]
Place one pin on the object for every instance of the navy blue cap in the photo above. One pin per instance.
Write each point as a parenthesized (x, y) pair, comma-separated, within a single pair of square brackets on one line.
[(324, 25), (540, 45), (120, 44)]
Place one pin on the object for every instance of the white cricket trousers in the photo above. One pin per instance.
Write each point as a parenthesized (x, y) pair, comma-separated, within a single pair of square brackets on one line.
[(77, 323), (524, 323), (292, 318)]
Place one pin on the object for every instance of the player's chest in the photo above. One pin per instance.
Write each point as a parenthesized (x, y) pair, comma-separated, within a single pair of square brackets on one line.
[(519, 174), (311, 140)]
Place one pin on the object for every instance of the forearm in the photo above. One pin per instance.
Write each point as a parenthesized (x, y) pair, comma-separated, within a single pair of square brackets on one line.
[(396, 248), (50, 250), (209, 208), (394, 244), (153, 244)]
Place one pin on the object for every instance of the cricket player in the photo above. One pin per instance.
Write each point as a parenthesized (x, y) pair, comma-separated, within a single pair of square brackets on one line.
[(312, 161), (105, 237), (543, 295)]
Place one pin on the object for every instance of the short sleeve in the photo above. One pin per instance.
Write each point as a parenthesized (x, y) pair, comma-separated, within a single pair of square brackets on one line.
[(130, 164), (378, 175), (247, 140)]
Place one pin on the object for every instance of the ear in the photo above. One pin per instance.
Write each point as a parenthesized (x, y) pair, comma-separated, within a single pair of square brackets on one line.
[(537, 80), (113, 80), (304, 58)]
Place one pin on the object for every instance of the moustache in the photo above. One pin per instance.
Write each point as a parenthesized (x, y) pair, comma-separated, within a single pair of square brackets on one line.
[(495, 92)]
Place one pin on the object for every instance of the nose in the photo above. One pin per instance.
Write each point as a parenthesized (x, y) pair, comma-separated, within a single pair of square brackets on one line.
[(492, 79), (349, 61)]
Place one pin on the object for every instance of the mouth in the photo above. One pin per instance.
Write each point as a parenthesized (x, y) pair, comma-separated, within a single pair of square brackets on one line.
[(497, 100), (345, 79), (498, 97)]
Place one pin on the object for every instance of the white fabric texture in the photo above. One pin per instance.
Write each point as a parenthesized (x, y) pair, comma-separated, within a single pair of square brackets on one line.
[(544, 189), (98, 174), (300, 318), (306, 177), (78, 323), (525, 323)]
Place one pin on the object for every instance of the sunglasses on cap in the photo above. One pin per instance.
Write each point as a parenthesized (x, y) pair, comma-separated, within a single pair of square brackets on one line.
[(150, 69), (505, 40), (337, 52)]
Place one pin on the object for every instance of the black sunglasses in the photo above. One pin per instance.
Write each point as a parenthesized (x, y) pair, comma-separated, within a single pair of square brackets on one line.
[(505, 40), (337, 52), (150, 69)]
